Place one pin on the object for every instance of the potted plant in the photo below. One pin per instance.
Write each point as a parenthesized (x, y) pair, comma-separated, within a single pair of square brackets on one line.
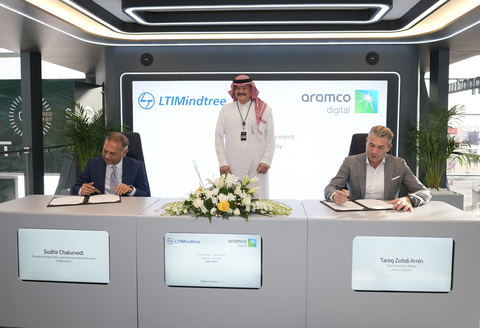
[(434, 149), (84, 131)]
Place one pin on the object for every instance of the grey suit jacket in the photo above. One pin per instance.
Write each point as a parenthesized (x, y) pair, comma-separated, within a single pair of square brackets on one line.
[(353, 174)]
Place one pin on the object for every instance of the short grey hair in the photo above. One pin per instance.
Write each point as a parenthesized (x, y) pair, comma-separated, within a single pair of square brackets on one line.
[(118, 137), (382, 132)]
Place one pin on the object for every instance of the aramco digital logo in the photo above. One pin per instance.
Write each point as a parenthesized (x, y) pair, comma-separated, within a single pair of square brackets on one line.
[(146, 100), (366, 101), (252, 242)]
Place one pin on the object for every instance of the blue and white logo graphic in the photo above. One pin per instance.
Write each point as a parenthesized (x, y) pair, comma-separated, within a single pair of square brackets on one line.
[(146, 100), (170, 241)]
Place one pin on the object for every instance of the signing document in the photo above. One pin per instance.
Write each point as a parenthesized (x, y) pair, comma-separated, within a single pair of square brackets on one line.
[(83, 200)]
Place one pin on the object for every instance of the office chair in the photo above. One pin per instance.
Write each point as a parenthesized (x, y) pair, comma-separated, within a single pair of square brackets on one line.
[(357, 146), (135, 149)]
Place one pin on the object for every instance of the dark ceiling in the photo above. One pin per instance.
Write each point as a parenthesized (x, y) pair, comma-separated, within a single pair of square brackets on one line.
[(73, 33)]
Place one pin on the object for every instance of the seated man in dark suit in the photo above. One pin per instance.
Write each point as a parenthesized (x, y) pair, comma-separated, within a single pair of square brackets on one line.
[(113, 173), (377, 175)]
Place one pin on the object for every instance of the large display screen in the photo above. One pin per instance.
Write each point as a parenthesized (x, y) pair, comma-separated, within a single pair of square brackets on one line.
[(315, 116), (78, 256), (213, 260), (406, 264)]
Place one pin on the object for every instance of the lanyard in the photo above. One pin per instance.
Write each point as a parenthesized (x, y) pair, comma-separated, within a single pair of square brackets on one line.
[(241, 117)]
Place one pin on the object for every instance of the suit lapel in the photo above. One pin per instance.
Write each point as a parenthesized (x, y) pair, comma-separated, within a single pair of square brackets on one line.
[(362, 174), (387, 173), (127, 171), (101, 179)]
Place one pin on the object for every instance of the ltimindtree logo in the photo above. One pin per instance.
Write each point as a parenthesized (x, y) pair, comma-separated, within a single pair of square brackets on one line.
[(366, 101), (146, 100), (170, 241)]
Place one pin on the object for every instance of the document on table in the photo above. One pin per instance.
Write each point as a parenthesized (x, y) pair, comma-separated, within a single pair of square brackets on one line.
[(360, 205), (347, 206), (375, 204), (84, 200)]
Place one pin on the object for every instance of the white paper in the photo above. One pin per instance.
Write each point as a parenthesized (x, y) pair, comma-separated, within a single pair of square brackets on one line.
[(105, 198), (347, 206), (67, 200), (375, 204)]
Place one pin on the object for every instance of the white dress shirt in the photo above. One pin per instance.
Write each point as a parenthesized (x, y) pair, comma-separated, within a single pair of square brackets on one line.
[(375, 188)]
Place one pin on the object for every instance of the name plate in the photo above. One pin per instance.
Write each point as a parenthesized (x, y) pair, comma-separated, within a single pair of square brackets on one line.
[(64, 255), (213, 260), (407, 264)]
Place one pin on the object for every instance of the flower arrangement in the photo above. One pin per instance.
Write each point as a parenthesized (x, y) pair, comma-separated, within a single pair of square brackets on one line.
[(224, 197)]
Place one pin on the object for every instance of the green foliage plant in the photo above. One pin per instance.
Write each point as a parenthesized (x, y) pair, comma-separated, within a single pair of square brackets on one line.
[(84, 132), (434, 148)]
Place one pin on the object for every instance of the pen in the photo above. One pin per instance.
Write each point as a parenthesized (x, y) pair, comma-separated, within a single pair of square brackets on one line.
[(340, 188)]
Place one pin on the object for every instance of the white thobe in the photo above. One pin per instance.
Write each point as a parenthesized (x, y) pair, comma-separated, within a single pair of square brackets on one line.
[(240, 155)]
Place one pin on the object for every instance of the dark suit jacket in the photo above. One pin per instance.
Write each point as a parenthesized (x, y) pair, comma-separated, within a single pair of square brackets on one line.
[(353, 174), (133, 173)]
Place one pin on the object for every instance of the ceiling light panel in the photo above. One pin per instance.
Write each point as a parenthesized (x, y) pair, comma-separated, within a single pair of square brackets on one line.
[(258, 14)]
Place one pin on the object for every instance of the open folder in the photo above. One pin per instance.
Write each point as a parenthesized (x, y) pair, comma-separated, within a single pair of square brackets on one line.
[(84, 200), (360, 205)]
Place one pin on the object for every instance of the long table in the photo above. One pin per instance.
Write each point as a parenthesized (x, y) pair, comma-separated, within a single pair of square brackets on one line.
[(331, 301), (280, 302), (59, 304), (306, 270)]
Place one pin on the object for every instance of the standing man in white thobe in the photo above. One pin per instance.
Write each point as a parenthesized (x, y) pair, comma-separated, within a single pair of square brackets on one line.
[(244, 136)]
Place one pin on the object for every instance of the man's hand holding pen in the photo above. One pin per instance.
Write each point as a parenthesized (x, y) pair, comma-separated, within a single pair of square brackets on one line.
[(341, 195), (88, 189)]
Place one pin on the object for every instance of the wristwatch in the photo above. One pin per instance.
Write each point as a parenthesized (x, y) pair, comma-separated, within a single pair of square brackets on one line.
[(414, 200)]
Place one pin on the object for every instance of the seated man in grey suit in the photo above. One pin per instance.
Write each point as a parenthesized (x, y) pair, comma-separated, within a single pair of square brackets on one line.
[(377, 175), (113, 173)]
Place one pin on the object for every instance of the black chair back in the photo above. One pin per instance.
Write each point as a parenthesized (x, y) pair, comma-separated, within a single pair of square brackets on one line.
[(357, 146), (135, 149)]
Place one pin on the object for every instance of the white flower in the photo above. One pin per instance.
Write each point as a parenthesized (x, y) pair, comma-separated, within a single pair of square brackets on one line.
[(208, 193), (214, 200), (213, 211), (221, 182), (203, 209), (223, 197), (213, 182), (246, 201), (238, 190), (252, 180), (215, 191), (231, 180), (253, 190), (236, 212), (197, 203)]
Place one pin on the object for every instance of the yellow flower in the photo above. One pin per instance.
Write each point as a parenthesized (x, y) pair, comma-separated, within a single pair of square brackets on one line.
[(223, 206), (199, 189)]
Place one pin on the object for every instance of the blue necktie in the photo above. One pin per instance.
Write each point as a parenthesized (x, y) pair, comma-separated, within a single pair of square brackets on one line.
[(113, 180)]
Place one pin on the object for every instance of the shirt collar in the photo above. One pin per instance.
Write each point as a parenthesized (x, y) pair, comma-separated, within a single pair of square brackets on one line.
[(368, 163), (119, 164)]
